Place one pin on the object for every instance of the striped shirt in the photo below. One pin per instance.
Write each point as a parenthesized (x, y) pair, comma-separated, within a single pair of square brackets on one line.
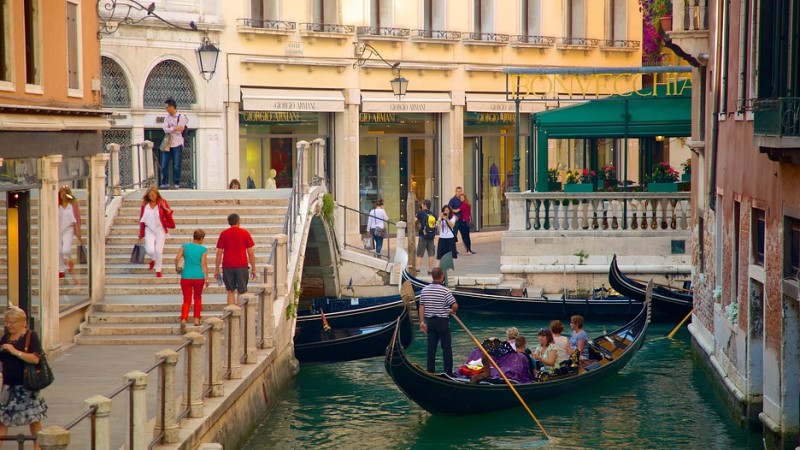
[(437, 300)]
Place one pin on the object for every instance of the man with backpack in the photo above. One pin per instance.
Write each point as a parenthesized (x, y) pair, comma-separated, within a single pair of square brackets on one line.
[(427, 232), (175, 131)]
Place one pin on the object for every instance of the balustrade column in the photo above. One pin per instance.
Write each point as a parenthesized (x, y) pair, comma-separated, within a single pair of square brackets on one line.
[(282, 264), (49, 255), (113, 169), (319, 160), (193, 371), (249, 328), (517, 212), (138, 410), (167, 398), (53, 438), (234, 344), (268, 315), (102, 422), (97, 219), (215, 358)]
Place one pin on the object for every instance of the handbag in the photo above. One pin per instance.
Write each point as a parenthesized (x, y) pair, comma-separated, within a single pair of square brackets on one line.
[(36, 376), (137, 254), (83, 254), (380, 232), (164, 147)]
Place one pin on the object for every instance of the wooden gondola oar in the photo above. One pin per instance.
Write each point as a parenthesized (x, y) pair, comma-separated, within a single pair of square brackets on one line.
[(680, 324), (500, 371)]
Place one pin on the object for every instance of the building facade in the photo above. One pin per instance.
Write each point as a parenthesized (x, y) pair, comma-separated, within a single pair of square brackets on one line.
[(292, 76), (50, 125), (746, 322)]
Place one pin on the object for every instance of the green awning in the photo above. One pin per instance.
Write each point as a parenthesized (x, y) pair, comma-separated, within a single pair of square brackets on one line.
[(667, 113)]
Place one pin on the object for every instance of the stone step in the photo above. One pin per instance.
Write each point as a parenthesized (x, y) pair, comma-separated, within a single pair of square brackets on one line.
[(159, 289), (153, 318), (210, 303), (163, 339), (174, 202), (211, 221), (178, 239), (212, 210), (213, 229), (171, 248)]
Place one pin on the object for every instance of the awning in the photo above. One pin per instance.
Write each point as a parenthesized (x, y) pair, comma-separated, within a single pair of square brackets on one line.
[(262, 99), (497, 103), (47, 122), (412, 102), (665, 112)]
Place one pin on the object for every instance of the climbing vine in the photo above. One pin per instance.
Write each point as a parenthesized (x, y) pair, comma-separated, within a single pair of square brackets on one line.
[(291, 308), (327, 208)]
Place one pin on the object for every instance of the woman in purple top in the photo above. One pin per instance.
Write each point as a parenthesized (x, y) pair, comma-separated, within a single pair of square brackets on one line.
[(579, 338)]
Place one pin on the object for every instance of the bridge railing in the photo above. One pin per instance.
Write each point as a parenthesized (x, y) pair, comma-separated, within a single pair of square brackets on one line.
[(141, 172), (391, 230)]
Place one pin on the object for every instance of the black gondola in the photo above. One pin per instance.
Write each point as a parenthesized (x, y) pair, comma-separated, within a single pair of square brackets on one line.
[(668, 304), (439, 394), (499, 301), (350, 312), (350, 343)]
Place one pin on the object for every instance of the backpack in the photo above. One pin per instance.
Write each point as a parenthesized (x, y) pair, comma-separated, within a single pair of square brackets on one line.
[(185, 131), (429, 227)]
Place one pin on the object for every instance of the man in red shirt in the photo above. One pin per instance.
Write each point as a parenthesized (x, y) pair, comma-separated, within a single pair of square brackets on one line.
[(234, 248)]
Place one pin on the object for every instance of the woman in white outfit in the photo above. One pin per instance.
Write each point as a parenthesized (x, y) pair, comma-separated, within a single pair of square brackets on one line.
[(377, 219), (69, 225), (153, 228)]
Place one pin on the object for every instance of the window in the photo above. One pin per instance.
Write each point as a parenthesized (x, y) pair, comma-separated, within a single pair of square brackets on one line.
[(530, 16), (73, 47), (433, 15), (264, 9), (482, 18), (778, 49), (380, 13), (116, 93), (792, 248), (745, 57), (6, 49), (169, 79), (616, 20), (32, 41), (325, 11), (575, 21), (759, 236)]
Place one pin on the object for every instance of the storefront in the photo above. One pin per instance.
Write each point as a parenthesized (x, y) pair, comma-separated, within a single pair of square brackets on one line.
[(399, 150), (271, 123)]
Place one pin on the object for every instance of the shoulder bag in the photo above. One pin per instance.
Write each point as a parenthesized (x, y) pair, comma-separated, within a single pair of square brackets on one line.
[(36, 376), (83, 254), (165, 147)]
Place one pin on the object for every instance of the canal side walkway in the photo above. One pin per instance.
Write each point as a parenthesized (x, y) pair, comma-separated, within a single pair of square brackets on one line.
[(83, 371)]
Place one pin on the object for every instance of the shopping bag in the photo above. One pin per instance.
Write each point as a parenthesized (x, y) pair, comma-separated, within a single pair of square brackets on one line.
[(165, 143), (83, 254), (137, 255)]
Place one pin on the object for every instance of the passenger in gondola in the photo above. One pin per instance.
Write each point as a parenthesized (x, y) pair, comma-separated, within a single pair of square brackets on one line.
[(522, 349), (512, 334), (579, 339), (545, 353), (561, 342)]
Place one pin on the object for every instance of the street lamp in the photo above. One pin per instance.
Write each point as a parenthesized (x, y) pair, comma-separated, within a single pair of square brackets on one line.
[(399, 83), (207, 56)]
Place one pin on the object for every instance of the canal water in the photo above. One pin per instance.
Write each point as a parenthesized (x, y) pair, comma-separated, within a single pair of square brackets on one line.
[(660, 400)]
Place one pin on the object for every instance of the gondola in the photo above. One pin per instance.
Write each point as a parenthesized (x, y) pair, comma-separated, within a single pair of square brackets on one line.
[(668, 304), (500, 301), (350, 311), (315, 345), (444, 395)]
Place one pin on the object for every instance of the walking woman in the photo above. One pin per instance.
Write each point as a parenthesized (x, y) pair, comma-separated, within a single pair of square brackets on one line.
[(194, 276), (69, 225), (21, 406), (154, 220), (447, 239), (463, 223), (376, 224)]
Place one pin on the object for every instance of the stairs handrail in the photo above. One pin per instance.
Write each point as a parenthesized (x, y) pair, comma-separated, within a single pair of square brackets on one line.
[(386, 239)]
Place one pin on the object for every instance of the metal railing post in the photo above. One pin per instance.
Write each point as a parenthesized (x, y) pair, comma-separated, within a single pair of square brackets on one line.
[(215, 342), (234, 341), (167, 398), (101, 439), (137, 439)]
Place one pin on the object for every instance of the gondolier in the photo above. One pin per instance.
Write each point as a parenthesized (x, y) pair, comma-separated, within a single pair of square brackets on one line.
[(436, 303)]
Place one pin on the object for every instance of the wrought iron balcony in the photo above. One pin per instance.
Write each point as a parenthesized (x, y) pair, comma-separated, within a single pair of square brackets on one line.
[(620, 43), (537, 40), (777, 116), (383, 31), (327, 28), (438, 34), (488, 37), (268, 24), (580, 41)]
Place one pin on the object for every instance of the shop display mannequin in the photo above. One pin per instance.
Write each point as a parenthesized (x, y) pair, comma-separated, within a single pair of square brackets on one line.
[(494, 187), (270, 184)]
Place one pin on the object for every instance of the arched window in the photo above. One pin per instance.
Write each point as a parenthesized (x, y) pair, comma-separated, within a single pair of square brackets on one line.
[(116, 91), (169, 79)]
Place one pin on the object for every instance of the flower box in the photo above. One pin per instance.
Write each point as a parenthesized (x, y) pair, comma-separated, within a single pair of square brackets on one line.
[(553, 186), (662, 187), (579, 187), (686, 177)]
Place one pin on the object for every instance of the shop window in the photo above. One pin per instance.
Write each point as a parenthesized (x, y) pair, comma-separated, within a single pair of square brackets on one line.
[(6, 49), (616, 20), (482, 17), (32, 42), (116, 92), (792, 248), (531, 18), (758, 236), (73, 46), (575, 20), (169, 79), (433, 15), (325, 11), (264, 9)]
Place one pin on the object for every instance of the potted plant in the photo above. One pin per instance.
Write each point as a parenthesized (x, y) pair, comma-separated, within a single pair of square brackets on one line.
[(553, 185), (687, 170), (653, 11), (580, 180), (662, 178), (607, 178)]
